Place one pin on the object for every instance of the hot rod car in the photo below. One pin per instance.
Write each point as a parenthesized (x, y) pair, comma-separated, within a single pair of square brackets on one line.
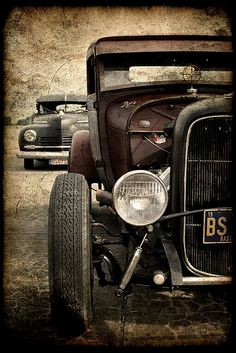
[(159, 146), (47, 135)]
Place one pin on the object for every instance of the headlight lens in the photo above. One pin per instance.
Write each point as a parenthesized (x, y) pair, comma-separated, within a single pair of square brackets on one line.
[(140, 197), (30, 135)]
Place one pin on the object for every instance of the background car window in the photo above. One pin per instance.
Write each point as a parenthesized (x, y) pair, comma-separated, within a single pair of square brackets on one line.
[(70, 107)]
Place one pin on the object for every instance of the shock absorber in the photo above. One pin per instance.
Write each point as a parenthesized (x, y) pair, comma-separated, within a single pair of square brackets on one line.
[(130, 269)]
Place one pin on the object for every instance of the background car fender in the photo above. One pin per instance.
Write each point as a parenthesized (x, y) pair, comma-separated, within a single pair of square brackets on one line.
[(80, 159)]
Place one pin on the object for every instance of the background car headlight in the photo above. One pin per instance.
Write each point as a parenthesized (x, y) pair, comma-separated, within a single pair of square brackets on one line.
[(140, 197), (30, 135)]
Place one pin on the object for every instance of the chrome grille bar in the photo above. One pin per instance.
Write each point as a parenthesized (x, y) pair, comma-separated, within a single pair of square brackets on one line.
[(55, 140)]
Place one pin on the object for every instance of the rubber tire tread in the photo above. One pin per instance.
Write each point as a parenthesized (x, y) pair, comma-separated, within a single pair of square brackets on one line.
[(69, 254)]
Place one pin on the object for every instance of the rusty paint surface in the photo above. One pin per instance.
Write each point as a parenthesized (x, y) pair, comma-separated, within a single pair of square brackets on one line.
[(162, 43), (81, 160)]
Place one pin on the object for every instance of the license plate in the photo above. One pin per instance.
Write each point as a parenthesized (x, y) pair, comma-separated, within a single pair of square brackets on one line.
[(218, 226), (58, 161)]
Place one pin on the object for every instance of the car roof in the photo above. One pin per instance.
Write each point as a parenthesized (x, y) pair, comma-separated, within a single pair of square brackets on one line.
[(67, 97), (162, 43)]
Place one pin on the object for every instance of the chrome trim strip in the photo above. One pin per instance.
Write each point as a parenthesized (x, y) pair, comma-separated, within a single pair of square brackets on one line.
[(34, 147), (44, 155), (205, 281), (208, 161)]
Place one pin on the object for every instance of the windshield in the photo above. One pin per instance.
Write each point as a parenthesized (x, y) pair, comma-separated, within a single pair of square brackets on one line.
[(142, 70), (54, 107)]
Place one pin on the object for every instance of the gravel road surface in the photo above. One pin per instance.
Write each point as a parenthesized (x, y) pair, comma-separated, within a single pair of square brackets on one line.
[(200, 319)]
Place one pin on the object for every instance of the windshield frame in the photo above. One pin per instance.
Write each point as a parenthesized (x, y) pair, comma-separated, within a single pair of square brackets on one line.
[(121, 62)]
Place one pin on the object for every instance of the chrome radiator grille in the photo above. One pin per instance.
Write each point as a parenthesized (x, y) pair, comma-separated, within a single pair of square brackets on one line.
[(207, 185), (55, 141)]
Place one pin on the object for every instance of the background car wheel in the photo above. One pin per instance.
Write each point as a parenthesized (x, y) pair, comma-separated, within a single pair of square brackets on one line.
[(70, 255), (28, 163)]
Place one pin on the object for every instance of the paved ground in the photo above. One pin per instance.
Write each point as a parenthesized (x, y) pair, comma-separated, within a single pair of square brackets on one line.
[(156, 319)]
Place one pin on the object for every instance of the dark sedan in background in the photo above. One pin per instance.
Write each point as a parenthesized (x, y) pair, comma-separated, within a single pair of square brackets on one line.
[(47, 134)]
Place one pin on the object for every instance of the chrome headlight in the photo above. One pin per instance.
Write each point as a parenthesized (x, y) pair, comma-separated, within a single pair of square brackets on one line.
[(140, 197), (30, 135)]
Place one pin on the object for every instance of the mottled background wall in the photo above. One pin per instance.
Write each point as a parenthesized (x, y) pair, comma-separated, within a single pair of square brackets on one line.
[(45, 47)]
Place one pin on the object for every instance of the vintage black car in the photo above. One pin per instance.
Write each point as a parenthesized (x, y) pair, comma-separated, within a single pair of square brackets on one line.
[(47, 135), (159, 146)]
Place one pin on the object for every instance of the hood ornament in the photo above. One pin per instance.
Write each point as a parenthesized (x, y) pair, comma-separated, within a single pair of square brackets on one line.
[(192, 73)]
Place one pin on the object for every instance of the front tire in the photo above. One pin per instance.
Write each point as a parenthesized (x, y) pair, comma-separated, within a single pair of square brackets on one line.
[(70, 260), (28, 163)]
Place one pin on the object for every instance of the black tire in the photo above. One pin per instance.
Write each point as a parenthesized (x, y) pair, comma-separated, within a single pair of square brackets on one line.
[(28, 163), (70, 255)]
